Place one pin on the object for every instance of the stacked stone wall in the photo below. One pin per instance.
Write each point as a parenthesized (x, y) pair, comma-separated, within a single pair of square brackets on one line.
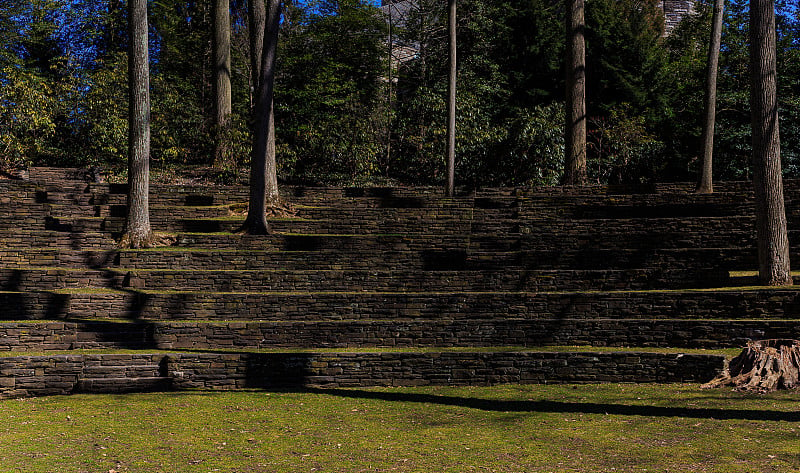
[(399, 268), (355, 334), (66, 374)]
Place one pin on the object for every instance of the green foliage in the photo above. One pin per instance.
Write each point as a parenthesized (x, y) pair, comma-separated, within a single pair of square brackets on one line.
[(732, 141), (9, 31), (27, 108), (684, 83), (621, 149), (625, 57), (534, 147), (627, 90), (508, 126), (329, 120), (530, 50), (502, 94), (340, 119), (106, 109), (182, 103), (40, 86)]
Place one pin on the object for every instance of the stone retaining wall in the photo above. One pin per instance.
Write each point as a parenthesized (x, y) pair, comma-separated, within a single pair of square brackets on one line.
[(64, 374), (389, 256), (690, 304), (43, 336), (350, 280)]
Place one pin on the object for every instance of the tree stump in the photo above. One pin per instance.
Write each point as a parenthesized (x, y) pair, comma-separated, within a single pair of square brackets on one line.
[(763, 366)]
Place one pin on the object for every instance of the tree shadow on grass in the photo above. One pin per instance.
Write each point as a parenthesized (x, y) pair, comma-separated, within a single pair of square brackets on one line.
[(547, 406)]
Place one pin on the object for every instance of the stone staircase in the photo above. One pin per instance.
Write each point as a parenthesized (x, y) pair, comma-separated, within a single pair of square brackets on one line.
[(378, 287)]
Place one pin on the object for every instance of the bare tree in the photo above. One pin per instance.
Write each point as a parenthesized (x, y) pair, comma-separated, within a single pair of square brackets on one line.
[(575, 116), (138, 233), (773, 242), (263, 171), (706, 186), (222, 81), (451, 100)]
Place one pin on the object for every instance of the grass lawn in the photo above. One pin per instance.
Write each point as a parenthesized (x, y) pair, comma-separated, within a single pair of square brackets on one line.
[(591, 428)]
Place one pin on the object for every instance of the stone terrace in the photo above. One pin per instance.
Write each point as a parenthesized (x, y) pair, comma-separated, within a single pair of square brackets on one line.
[(367, 287)]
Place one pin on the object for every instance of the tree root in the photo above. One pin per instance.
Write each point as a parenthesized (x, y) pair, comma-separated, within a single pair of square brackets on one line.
[(275, 210), (763, 366), (152, 240)]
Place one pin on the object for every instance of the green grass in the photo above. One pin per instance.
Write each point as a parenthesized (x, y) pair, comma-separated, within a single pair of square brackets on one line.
[(587, 428)]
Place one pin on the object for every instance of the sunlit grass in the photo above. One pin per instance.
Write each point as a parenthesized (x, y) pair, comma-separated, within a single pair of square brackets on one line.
[(587, 428)]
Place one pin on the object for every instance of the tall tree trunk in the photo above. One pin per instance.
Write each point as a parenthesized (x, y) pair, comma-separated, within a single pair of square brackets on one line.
[(138, 233), (263, 172), (575, 116), (773, 242), (575, 104), (257, 18), (706, 186), (222, 82), (451, 101), (390, 75)]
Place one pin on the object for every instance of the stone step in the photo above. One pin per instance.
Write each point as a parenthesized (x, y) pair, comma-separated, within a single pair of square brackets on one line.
[(655, 234), (554, 208), (51, 174), (225, 195), (111, 369), (49, 239), (643, 235), (64, 197), (363, 334), (348, 244), (632, 239), (175, 224), (53, 256), (123, 385), (159, 213), (32, 279), (679, 201), (718, 304), (362, 254), (410, 254), (61, 175), (59, 374)]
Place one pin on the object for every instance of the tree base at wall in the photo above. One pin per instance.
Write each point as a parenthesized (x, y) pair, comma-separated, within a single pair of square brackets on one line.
[(153, 240), (275, 210)]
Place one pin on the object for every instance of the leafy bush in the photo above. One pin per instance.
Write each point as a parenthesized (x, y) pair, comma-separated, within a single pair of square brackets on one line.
[(28, 106), (621, 149)]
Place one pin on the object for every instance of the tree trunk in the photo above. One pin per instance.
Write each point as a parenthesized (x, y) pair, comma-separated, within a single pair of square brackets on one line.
[(451, 100), (575, 119), (764, 366), (222, 83), (257, 15), (258, 20), (263, 172), (138, 233), (773, 242), (706, 186)]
